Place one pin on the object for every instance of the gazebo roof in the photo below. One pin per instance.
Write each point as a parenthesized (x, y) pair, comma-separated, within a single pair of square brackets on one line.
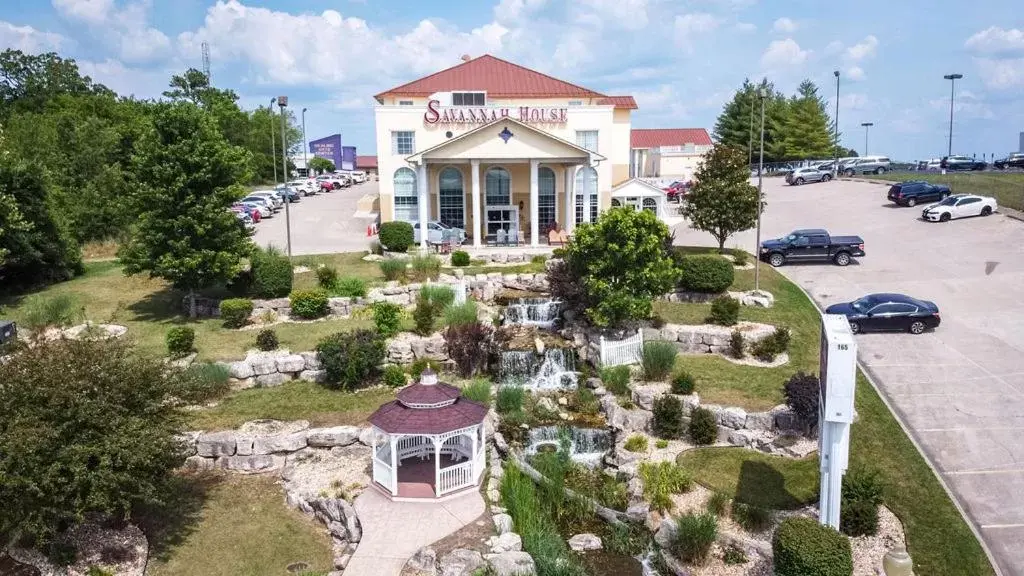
[(428, 407), (426, 394)]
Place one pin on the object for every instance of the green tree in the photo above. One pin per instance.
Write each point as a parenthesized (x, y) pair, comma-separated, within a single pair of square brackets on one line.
[(28, 81), (620, 264), (808, 132), (321, 165), (722, 201), (88, 431), (188, 177), (739, 124)]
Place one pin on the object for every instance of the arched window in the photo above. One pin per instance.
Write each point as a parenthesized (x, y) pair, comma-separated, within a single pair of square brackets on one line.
[(616, 203), (452, 198), (586, 184), (546, 198), (498, 187), (651, 204), (406, 195)]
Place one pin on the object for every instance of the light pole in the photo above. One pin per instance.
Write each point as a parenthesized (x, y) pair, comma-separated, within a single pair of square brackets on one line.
[(867, 126), (273, 150), (760, 197), (750, 145), (952, 86), (305, 145), (835, 150), (282, 103)]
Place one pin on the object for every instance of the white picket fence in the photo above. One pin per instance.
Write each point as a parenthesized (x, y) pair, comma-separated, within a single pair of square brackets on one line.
[(622, 352), (460, 292)]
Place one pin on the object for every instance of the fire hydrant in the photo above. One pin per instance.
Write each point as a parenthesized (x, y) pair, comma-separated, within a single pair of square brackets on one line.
[(897, 562)]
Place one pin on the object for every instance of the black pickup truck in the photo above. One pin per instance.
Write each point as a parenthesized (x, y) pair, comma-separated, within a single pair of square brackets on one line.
[(811, 246)]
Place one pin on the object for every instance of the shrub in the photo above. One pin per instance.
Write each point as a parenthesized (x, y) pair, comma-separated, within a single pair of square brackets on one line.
[(636, 443), (683, 383), (478, 391), (421, 364), (801, 392), (584, 401), (703, 428), (393, 268), (272, 273), (460, 258), (180, 341), (706, 273), (751, 518), (509, 399), (469, 346), (725, 311), (538, 259), (658, 359), (661, 481), (458, 315), (802, 547), (350, 287), (616, 379), (737, 344), (203, 381), (438, 295), (733, 555), (661, 444), (740, 257), (309, 304), (862, 494), (396, 236), (393, 376), (351, 358), (40, 312), (657, 321), (235, 312), (425, 266), (387, 317), (326, 277), (668, 416), (266, 340), (717, 503), (772, 345), (695, 533), (424, 316)]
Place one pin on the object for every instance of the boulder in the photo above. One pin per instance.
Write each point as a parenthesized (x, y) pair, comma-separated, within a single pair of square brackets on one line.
[(424, 561), (674, 565), (200, 463), (318, 376), (502, 523), (272, 379), (240, 370), (512, 564), (644, 396), (760, 421), (507, 542), (744, 438), (252, 464), (583, 542), (637, 512), (355, 528), (594, 383), (366, 436), (547, 404), (188, 441), (785, 418), (243, 444), (461, 562), (291, 364), (262, 363), (665, 534), (214, 444), (279, 443), (732, 417), (330, 437), (653, 521), (312, 360)]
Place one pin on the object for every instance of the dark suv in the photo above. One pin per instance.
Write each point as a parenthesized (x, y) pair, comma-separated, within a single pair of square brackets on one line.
[(914, 192)]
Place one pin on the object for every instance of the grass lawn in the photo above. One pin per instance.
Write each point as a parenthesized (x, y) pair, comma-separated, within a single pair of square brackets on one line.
[(291, 401), (755, 478), (1006, 187), (238, 525)]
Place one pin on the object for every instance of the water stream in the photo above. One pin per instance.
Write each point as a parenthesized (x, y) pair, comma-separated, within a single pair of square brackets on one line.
[(540, 312), (555, 369), (587, 445)]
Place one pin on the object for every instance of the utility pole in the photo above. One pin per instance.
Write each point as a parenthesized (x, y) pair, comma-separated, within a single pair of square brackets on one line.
[(835, 151), (750, 145), (305, 144), (867, 126), (760, 198), (273, 151), (282, 103), (952, 87)]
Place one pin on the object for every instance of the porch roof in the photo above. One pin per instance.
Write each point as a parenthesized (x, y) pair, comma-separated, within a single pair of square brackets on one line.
[(636, 187), (506, 138)]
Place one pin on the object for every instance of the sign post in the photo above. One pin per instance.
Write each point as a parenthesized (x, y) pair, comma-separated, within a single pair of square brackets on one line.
[(835, 411)]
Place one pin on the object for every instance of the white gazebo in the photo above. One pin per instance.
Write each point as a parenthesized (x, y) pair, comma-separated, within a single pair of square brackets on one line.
[(429, 442), (640, 195)]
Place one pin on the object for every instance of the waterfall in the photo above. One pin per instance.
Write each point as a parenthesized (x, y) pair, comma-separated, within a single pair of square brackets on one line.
[(555, 370), (540, 312), (587, 445)]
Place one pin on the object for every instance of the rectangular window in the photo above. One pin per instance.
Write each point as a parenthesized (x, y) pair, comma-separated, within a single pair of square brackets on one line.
[(403, 142), (579, 208), (468, 98), (587, 139), (575, 102), (405, 102)]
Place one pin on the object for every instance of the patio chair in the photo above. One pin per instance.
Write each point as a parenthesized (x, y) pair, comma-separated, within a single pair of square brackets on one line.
[(500, 238), (513, 238)]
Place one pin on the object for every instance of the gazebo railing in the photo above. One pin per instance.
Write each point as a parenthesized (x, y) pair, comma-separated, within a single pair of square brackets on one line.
[(454, 477), (414, 446), (382, 474), (481, 463)]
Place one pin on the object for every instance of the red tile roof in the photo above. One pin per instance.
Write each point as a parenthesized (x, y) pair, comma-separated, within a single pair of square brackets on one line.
[(366, 162), (396, 418), (626, 102), (499, 78), (654, 137)]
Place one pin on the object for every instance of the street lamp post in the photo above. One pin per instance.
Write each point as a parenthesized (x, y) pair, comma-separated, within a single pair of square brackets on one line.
[(952, 86), (273, 149), (750, 144), (760, 197), (867, 126), (305, 144), (282, 103), (835, 148)]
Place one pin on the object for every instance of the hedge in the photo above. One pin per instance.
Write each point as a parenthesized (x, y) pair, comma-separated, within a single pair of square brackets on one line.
[(803, 547), (271, 274), (180, 341), (235, 312), (309, 304), (705, 273), (396, 236)]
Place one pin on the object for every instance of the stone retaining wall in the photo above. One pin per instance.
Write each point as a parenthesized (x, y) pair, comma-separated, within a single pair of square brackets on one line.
[(759, 298), (691, 339)]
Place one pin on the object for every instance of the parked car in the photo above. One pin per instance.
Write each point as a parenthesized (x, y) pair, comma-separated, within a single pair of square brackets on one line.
[(1014, 160), (286, 192), (888, 312), (275, 200), (804, 175), (438, 232), (960, 206), (913, 192), (303, 186), (325, 186), (865, 165), (253, 213), (245, 219), (962, 163), (676, 190), (812, 245), (260, 205)]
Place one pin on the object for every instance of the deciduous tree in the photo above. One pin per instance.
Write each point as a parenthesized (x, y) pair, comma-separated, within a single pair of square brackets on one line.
[(321, 165), (722, 202)]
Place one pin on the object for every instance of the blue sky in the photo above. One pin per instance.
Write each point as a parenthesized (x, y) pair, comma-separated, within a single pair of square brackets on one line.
[(681, 60)]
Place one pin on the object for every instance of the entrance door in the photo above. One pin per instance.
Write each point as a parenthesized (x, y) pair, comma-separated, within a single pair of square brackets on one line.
[(505, 218), (499, 213)]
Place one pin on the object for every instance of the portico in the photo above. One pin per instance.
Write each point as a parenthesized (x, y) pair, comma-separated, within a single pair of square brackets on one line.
[(504, 182)]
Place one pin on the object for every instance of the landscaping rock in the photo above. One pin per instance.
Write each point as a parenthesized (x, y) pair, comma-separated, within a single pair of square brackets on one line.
[(199, 463), (318, 376), (512, 564), (744, 438), (674, 565), (214, 444), (243, 444), (502, 523), (785, 418), (760, 421), (461, 562), (329, 437), (262, 363), (291, 363), (635, 487), (279, 443), (644, 396), (732, 417), (366, 436), (500, 443), (666, 534), (240, 370), (583, 542), (272, 379), (507, 542), (690, 402), (653, 521), (638, 511), (424, 561), (188, 441), (252, 464), (594, 383), (312, 360)]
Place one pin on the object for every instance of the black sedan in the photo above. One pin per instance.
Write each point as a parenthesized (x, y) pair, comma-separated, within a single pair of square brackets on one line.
[(888, 313)]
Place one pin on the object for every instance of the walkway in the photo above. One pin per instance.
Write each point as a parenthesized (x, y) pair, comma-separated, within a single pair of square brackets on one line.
[(394, 531)]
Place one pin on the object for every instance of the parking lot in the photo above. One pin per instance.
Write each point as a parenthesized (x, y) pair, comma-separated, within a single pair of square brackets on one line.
[(321, 224), (959, 389)]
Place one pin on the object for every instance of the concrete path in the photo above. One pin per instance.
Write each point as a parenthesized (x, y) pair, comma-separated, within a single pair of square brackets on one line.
[(321, 224), (394, 531)]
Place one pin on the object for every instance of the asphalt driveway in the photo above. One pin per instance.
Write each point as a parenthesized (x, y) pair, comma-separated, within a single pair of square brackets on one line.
[(959, 389), (321, 224)]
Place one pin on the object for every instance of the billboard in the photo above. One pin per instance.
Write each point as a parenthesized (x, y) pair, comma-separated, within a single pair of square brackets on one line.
[(329, 148), (348, 158)]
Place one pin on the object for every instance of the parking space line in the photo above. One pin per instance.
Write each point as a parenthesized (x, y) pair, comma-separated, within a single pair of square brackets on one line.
[(982, 472)]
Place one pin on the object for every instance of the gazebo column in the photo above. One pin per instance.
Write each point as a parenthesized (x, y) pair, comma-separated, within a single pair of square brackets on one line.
[(437, 466), (394, 465), (473, 452)]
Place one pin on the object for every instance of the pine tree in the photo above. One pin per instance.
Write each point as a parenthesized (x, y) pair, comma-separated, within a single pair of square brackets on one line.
[(739, 124), (807, 131)]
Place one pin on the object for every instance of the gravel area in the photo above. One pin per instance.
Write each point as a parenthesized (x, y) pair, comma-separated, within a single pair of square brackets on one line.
[(868, 551), (124, 552), (312, 471)]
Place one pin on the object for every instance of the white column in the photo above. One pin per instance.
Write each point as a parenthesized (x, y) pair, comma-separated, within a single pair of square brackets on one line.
[(534, 202), (586, 204), (437, 467), (394, 465), (570, 199), (424, 201), (474, 168), (473, 452)]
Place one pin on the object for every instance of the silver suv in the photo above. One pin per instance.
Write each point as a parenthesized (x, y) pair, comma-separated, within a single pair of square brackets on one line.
[(809, 174), (865, 165)]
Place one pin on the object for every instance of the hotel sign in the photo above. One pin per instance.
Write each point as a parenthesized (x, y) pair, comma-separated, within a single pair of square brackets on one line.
[(437, 114)]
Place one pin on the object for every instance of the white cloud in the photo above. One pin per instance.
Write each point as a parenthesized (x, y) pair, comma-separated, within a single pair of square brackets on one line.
[(28, 39), (628, 14), (125, 28), (854, 73), (90, 11), (866, 48), (142, 83), (688, 26), (745, 27), (783, 54), (664, 99), (1001, 74), (853, 101), (966, 104), (512, 10), (834, 47), (785, 25), (996, 40)]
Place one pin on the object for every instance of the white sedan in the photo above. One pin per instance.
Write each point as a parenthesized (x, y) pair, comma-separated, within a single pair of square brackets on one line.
[(960, 206), (439, 232)]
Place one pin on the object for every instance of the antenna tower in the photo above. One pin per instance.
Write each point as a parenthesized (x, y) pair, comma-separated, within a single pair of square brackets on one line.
[(206, 60)]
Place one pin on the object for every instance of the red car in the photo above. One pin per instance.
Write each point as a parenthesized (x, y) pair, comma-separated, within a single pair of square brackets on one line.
[(326, 186), (254, 214), (676, 191)]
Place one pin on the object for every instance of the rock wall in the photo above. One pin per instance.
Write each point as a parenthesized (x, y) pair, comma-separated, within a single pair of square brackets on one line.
[(759, 298), (691, 339), (274, 368)]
